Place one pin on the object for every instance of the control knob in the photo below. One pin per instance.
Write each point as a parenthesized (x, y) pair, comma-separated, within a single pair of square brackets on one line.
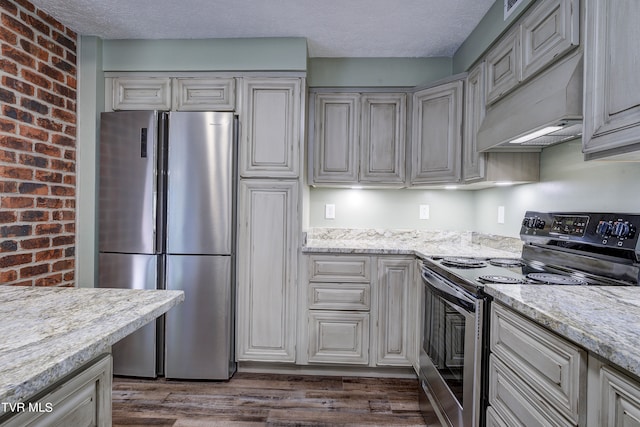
[(526, 222), (621, 229), (538, 223), (604, 228)]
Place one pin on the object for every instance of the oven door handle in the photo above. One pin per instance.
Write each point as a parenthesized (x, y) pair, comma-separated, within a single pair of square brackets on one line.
[(448, 291)]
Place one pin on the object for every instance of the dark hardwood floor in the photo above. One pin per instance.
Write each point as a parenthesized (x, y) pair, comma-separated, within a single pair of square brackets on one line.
[(266, 399)]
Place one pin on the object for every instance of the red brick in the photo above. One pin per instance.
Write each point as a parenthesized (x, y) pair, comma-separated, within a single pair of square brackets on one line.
[(48, 176), (34, 216), (64, 90), (26, 4), (17, 202), (34, 50), (44, 202), (14, 143), (17, 114), (47, 149), (8, 246), (50, 20), (64, 216), (70, 275), (64, 40), (9, 7), (37, 243), (70, 155), (62, 165), (36, 24), (70, 180), (35, 106), (8, 36), (34, 133), (36, 79), (57, 190), (51, 98), (7, 217), (34, 270), (15, 230), (8, 66), (16, 172), (7, 96), (47, 70), (70, 203), (43, 229), (8, 276), (49, 255), (17, 26), (63, 265), (66, 116), (70, 130), (70, 227), (13, 260), (20, 86), (54, 280), (22, 58), (63, 240), (49, 124), (63, 140), (8, 187), (7, 125), (7, 156), (35, 161), (33, 188)]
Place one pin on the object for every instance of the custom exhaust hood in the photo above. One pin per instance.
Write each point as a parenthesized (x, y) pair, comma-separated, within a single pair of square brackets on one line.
[(544, 111)]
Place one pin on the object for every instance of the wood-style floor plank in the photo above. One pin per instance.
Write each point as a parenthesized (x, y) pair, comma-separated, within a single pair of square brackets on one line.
[(250, 399)]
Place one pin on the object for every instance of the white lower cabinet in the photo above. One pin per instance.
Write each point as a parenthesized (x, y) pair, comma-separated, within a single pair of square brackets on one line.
[(82, 400), (535, 376), (614, 397), (359, 310)]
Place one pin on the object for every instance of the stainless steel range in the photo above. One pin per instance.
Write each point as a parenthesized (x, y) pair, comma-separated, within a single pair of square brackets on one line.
[(572, 249)]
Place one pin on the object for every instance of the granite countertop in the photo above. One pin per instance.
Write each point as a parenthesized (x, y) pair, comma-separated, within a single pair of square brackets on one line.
[(47, 333), (604, 320), (422, 243)]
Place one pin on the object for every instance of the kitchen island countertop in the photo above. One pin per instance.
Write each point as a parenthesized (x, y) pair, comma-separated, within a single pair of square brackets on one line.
[(604, 320), (47, 333)]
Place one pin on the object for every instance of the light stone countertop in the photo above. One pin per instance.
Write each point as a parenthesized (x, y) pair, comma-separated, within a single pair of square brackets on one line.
[(421, 243), (604, 320), (47, 333)]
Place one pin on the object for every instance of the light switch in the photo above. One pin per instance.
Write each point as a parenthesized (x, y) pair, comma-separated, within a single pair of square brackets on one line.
[(330, 211), (500, 214), (424, 211)]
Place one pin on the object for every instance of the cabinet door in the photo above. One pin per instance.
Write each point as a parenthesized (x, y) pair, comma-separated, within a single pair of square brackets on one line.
[(395, 277), (615, 397), (549, 31), (267, 270), (473, 163), (503, 67), (335, 137), (196, 94), (141, 93), (612, 87), (339, 337), (382, 147), (270, 120), (437, 134)]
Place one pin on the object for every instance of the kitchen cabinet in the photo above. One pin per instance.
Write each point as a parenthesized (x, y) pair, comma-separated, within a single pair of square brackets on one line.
[(543, 35), (437, 134), (611, 88), (270, 111), (473, 162), (360, 310), (82, 400), (614, 396), (141, 93), (339, 305), (204, 94), (395, 294), (268, 223), (358, 138), (535, 376)]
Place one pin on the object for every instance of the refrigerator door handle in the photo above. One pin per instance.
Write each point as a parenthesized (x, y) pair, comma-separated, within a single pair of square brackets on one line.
[(161, 168), (143, 143)]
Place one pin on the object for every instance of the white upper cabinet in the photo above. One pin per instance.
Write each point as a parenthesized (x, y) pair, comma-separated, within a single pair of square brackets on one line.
[(612, 87), (204, 94), (270, 114), (503, 67), (141, 93), (358, 138), (473, 163), (437, 134)]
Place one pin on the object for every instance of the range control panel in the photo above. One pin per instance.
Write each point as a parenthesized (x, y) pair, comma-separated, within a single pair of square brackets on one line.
[(600, 229)]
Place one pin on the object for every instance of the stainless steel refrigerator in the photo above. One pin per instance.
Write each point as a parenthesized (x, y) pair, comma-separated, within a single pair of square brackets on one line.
[(166, 221)]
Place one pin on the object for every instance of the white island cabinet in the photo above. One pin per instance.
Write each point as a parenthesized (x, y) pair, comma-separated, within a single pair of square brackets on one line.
[(55, 352)]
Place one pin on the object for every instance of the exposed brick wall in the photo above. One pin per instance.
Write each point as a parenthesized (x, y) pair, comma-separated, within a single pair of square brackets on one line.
[(37, 147)]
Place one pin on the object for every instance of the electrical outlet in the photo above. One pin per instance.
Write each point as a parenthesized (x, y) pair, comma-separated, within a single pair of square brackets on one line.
[(330, 211), (500, 214), (424, 211)]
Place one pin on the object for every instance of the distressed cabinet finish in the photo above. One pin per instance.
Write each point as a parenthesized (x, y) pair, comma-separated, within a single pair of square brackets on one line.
[(339, 337), (535, 376), (359, 138), (503, 67), (267, 254), (473, 163), (270, 113), (204, 94), (437, 134), (82, 400), (395, 293), (141, 93), (614, 397), (547, 32), (611, 85)]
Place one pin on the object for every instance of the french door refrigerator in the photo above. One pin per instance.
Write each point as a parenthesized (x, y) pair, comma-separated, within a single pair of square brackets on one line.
[(166, 221)]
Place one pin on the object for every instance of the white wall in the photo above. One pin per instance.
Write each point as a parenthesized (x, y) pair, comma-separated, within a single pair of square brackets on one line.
[(567, 183)]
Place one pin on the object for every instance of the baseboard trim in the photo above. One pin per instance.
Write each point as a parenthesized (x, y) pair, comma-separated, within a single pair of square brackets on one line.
[(341, 370)]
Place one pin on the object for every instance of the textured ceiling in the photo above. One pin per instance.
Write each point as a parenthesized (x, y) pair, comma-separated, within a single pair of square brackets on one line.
[(333, 28)]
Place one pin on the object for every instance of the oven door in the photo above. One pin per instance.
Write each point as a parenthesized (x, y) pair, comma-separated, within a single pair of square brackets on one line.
[(451, 350)]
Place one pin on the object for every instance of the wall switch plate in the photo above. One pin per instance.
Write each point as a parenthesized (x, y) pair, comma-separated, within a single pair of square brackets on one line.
[(424, 211), (330, 211), (500, 214)]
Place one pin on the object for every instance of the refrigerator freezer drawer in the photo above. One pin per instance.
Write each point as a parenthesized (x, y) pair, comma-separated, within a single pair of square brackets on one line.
[(134, 355), (198, 332)]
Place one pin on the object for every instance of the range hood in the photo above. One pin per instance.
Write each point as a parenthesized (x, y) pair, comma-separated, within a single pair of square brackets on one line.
[(550, 102)]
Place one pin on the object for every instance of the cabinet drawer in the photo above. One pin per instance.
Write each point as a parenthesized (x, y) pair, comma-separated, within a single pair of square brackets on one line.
[(204, 94), (141, 93), (549, 364), (339, 269), (339, 337), (340, 296), (515, 402)]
